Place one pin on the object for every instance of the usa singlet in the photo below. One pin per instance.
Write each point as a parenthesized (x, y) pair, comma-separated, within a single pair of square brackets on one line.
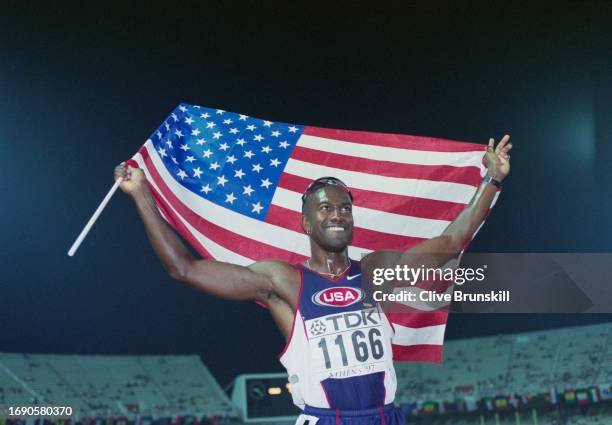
[(339, 353)]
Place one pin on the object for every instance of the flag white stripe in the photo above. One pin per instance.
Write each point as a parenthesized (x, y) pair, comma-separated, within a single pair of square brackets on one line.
[(217, 251), (384, 153), (440, 191), (406, 336), (367, 218), (259, 231)]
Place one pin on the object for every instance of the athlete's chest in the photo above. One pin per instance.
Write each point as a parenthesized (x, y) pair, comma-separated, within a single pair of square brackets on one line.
[(344, 329), (321, 296)]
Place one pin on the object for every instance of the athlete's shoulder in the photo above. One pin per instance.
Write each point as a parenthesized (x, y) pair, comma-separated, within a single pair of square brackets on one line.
[(275, 268), (380, 258)]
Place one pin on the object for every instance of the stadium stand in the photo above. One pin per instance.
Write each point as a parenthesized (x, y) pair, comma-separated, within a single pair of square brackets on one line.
[(530, 362), (113, 386)]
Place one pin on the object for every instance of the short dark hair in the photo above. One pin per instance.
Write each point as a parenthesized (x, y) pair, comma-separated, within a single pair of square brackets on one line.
[(322, 182)]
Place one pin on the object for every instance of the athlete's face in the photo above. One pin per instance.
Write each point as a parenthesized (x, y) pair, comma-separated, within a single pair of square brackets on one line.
[(328, 218)]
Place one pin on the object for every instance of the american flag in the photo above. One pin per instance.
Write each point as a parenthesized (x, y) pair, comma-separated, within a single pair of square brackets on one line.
[(231, 184)]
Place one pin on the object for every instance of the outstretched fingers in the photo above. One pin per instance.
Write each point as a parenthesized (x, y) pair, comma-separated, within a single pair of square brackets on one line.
[(502, 144)]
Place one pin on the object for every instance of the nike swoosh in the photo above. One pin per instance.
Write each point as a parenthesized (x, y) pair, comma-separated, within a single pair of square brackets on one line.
[(352, 277)]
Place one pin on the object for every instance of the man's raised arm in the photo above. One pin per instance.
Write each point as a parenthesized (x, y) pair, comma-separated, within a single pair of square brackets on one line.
[(439, 250), (224, 280)]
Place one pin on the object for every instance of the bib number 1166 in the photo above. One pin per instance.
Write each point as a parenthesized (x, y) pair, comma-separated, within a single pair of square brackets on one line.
[(363, 346)]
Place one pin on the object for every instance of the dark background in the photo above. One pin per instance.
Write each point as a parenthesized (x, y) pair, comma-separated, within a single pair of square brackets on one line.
[(82, 88)]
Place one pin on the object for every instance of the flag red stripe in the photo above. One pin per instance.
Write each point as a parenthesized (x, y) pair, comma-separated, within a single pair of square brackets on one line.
[(402, 141), (418, 353), (419, 319), (364, 238), (440, 173), (397, 204), (233, 241)]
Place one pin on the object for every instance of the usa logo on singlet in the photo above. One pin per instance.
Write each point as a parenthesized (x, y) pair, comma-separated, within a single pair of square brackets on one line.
[(339, 296)]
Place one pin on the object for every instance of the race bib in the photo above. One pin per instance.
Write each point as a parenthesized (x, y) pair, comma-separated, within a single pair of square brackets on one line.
[(348, 344)]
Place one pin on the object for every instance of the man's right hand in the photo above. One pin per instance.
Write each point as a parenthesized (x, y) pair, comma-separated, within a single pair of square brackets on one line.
[(133, 179)]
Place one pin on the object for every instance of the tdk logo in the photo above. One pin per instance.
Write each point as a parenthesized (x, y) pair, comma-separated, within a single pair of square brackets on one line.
[(340, 322), (338, 296)]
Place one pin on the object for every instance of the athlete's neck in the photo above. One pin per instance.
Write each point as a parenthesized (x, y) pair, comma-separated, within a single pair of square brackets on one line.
[(330, 263)]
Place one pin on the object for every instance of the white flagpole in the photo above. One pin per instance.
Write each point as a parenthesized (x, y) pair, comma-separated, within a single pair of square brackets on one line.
[(94, 217)]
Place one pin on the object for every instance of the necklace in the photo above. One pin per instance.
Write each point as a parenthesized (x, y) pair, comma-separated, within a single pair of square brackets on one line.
[(333, 275)]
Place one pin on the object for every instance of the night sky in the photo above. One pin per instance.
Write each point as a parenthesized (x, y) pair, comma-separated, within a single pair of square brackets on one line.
[(82, 88)]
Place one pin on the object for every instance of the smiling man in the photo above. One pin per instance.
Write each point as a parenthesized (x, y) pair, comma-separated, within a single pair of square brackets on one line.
[(338, 353)]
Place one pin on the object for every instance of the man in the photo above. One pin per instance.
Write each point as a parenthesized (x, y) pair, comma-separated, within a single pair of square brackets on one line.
[(338, 351)]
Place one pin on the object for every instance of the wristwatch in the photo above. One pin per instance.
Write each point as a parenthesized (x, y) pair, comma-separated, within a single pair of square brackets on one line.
[(494, 182)]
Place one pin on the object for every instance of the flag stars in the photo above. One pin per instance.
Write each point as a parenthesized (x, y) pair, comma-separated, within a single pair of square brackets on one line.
[(224, 146), (231, 159), (266, 149), (174, 160), (267, 123), (240, 142), (185, 147), (251, 127), (220, 111), (207, 153), (169, 143), (159, 134), (162, 152), (283, 144), (221, 180), (201, 141), (239, 173), (190, 159), (266, 183), (276, 133), (257, 168), (188, 120), (217, 135), (257, 208), (210, 124), (230, 198), (167, 126), (274, 162), (182, 174), (293, 129), (195, 132), (197, 172), (174, 117), (182, 108), (247, 190), (258, 138), (234, 131), (227, 121), (242, 117), (214, 166), (178, 133), (205, 115), (249, 154), (205, 189)]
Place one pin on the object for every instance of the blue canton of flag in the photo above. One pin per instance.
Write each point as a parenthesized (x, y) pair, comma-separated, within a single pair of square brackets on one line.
[(230, 159)]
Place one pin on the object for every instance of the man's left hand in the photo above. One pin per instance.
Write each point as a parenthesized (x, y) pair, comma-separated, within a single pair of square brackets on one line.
[(498, 158)]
